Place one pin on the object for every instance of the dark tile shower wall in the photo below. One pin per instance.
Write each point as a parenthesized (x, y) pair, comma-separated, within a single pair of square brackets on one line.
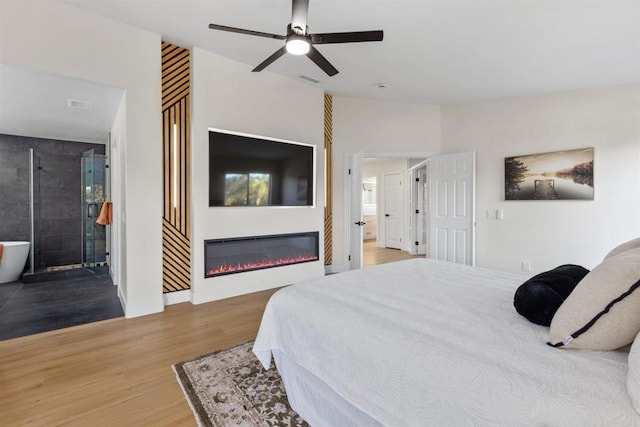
[(57, 198)]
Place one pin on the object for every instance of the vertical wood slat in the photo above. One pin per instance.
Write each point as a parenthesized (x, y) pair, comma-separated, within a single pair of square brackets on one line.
[(176, 230), (172, 122), (328, 204), (165, 171), (187, 169)]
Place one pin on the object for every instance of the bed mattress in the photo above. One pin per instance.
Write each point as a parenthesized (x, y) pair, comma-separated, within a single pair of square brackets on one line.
[(428, 343)]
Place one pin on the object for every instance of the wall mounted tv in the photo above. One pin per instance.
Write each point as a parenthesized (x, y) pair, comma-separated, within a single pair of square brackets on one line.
[(250, 170)]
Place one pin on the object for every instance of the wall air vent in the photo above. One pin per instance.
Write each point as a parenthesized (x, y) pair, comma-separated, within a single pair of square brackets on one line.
[(78, 105), (309, 79)]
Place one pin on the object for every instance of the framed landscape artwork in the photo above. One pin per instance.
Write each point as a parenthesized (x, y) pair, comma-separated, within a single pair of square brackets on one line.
[(560, 175)]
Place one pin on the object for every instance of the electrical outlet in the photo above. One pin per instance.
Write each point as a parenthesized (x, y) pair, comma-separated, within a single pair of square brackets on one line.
[(526, 266)]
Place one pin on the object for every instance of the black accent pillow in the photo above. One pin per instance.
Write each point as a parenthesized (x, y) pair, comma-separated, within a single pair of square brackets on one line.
[(539, 298)]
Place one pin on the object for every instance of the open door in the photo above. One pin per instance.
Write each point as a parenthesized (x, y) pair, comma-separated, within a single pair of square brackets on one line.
[(393, 210), (452, 210), (356, 224)]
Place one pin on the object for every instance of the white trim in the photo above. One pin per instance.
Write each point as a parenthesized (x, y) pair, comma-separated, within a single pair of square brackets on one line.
[(140, 308), (177, 297), (123, 300), (335, 268)]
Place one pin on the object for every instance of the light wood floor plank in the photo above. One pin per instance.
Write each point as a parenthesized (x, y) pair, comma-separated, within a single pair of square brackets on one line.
[(373, 255), (118, 372)]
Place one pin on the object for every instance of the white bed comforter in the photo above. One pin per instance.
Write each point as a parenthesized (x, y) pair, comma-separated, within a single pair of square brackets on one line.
[(428, 343)]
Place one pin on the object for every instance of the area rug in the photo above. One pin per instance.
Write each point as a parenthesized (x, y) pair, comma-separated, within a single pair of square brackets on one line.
[(231, 388)]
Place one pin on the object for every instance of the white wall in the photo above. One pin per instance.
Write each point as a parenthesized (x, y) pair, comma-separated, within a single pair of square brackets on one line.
[(550, 233), (227, 95), (58, 38), (375, 126)]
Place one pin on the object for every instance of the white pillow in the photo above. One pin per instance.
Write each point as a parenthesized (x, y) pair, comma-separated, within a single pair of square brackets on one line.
[(631, 244), (616, 328), (633, 377)]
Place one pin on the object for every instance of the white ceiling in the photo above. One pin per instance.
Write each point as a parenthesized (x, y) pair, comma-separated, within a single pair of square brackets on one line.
[(36, 104), (433, 51)]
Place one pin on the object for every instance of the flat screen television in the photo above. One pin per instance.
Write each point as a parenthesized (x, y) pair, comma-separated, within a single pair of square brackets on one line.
[(251, 170)]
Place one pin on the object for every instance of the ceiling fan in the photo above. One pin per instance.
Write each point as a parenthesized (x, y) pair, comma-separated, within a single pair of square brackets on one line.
[(298, 41)]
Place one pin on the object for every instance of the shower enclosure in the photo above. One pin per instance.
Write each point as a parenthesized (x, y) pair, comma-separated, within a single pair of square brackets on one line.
[(67, 189), (94, 186)]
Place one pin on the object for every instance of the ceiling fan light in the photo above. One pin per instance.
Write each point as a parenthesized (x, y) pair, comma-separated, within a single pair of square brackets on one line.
[(297, 45)]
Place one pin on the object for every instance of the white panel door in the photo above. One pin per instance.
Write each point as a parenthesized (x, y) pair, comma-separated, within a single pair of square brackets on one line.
[(354, 178), (452, 211), (393, 208)]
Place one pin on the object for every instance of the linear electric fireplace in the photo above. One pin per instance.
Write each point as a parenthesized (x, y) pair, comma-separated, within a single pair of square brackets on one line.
[(237, 255)]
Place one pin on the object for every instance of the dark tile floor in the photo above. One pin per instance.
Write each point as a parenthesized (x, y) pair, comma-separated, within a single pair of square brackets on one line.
[(31, 308)]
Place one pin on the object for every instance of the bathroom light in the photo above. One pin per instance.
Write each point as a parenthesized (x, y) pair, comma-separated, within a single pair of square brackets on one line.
[(175, 165), (297, 44)]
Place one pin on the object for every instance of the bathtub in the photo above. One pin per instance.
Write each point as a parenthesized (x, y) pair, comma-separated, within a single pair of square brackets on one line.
[(14, 257)]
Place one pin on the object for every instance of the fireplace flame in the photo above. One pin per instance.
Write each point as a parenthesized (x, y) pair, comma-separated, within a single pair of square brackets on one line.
[(256, 265)]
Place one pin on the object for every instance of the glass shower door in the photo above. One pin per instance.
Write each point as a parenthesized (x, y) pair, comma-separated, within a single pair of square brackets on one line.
[(93, 197)]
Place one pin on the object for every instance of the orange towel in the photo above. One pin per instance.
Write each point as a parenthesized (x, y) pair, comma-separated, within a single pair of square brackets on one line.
[(106, 214), (1, 251)]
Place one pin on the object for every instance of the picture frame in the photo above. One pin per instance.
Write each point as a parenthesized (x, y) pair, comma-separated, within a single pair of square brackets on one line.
[(557, 175)]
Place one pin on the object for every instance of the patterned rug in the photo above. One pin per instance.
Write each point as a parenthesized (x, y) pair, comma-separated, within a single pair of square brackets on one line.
[(231, 388)]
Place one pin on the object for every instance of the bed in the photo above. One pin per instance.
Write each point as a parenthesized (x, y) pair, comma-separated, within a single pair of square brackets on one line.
[(428, 343)]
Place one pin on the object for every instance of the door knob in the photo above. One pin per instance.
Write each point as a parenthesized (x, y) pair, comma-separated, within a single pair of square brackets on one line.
[(387, 215), (360, 223)]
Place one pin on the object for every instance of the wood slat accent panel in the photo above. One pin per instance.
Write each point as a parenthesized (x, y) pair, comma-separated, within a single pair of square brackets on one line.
[(175, 74), (176, 230), (328, 197)]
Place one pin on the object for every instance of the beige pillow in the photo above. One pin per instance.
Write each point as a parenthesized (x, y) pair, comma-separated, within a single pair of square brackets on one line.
[(631, 244), (609, 281)]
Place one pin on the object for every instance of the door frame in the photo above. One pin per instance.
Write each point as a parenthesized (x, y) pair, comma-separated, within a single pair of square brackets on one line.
[(416, 226), (348, 161)]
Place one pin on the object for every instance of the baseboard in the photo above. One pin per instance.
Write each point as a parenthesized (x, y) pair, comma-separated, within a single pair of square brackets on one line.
[(335, 268), (176, 297), (123, 300), (139, 308)]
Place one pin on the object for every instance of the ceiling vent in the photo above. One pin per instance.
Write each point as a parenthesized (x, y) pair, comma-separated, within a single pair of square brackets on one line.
[(78, 105), (309, 79)]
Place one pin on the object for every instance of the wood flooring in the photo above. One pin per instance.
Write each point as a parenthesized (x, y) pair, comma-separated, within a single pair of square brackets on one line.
[(373, 255), (118, 372)]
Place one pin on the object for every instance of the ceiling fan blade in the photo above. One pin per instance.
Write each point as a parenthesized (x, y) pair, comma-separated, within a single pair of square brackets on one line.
[(247, 32), (299, 12), (321, 61), (350, 37), (277, 54)]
